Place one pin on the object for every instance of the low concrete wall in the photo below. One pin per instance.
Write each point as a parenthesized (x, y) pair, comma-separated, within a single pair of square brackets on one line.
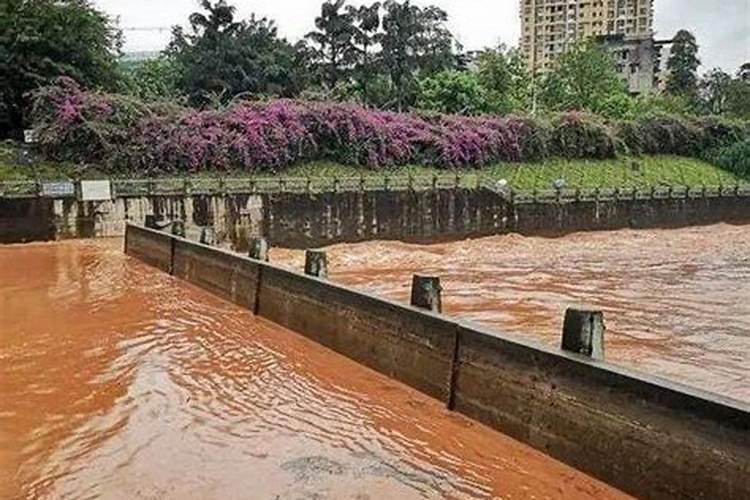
[(641, 434), (305, 220)]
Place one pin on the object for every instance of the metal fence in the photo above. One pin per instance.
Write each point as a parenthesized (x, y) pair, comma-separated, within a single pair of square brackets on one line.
[(271, 185)]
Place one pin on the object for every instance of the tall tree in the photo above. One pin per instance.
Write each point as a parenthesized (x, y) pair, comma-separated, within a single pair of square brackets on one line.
[(221, 57), (584, 78), (504, 74), (334, 41), (415, 42), (683, 65), (714, 88), (367, 25), (43, 39)]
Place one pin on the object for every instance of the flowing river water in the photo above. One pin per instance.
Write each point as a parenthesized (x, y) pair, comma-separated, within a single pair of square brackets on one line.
[(675, 301), (118, 381)]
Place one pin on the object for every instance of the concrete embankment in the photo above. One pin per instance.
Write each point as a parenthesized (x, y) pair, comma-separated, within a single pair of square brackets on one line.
[(646, 436), (304, 220)]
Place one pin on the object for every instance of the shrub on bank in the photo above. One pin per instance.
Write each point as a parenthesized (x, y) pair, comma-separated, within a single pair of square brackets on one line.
[(734, 158), (120, 132)]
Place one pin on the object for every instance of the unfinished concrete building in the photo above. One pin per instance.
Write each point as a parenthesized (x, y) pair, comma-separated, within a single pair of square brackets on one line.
[(550, 27)]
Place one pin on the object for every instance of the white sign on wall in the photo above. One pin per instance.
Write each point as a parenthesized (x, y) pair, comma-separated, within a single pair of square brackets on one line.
[(58, 189), (96, 191), (29, 136)]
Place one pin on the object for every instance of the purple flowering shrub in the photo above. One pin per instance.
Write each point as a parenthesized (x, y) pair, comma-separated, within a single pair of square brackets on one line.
[(122, 133)]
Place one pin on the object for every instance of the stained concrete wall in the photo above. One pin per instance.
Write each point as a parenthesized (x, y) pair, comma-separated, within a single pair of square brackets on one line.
[(301, 220), (304, 221), (646, 436)]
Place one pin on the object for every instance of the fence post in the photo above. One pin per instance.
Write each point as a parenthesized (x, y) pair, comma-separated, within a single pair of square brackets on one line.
[(316, 264), (583, 333), (208, 236), (362, 182), (434, 182), (426, 293), (258, 249), (178, 228)]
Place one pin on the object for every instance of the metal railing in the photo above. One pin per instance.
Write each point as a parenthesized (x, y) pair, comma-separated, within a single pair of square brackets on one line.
[(273, 185)]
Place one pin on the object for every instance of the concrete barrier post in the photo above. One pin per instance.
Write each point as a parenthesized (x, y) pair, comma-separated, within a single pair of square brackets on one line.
[(316, 264), (426, 293), (150, 221), (583, 333), (178, 228), (208, 236), (258, 249)]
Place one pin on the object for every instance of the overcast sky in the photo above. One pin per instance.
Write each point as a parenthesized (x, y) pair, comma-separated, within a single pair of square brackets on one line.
[(721, 26)]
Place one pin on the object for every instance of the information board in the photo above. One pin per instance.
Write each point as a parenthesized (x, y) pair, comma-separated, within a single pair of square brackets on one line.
[(58, 189), (96, 191)]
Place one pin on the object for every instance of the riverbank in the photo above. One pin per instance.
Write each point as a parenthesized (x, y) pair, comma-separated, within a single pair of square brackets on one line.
[(625, 172)]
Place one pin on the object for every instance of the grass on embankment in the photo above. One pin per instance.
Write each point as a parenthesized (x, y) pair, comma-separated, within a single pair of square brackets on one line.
[(621, 172)]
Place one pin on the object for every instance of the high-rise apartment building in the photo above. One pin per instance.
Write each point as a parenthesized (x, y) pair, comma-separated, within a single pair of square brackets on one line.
[(549, 27)]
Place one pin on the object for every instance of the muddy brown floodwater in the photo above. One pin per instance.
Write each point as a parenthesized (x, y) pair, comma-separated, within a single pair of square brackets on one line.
[(675, 301), (118, 381)]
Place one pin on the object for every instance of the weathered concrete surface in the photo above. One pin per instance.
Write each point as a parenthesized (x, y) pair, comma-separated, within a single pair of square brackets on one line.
[(304, 221), (643, 435), (299, 220), (155, 248), (402, 343), (217, 271), (646, 436)]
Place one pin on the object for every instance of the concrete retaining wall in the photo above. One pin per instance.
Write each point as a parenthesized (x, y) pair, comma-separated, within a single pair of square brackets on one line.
[(643, 435), (304, 220)]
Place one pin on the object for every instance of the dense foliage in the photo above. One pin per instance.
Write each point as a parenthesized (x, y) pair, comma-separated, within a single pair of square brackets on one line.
[(120, 132), (391, 55), (735, 157), (222, 57), (43, 39)]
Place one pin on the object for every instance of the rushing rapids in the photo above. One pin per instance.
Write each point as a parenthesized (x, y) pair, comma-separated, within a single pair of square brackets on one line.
[(118, 381), (674, 300)]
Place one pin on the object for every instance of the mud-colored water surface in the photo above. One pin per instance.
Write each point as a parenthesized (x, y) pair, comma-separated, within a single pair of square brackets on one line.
[(117, 381), (675, 301)]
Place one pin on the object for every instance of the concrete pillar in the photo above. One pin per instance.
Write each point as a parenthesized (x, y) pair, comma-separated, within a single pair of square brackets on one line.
[(426, 293), (208, 237), (583, 333), (259, 249), (316, 263), (178, 228)]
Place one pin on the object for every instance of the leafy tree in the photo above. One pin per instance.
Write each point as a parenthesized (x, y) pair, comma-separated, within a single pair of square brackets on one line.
[(44, 39), (585, 78), (503, 73), (452, 91), (367, 25), (713, 91), (154, 79), (738, 99), (222, 58), (415, 42), (334, 40), (683, 65), (744, 72)]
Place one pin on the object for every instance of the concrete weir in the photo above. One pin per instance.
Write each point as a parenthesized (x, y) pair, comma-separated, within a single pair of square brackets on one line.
[(646, 436)]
